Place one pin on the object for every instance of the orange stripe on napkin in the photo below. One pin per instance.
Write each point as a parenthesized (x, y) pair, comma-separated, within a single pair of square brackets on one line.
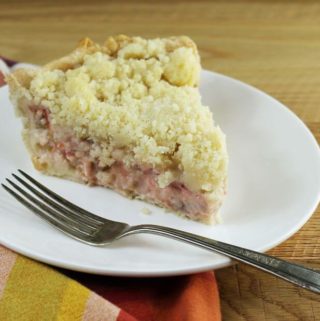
[(188, 298), (198, 299)]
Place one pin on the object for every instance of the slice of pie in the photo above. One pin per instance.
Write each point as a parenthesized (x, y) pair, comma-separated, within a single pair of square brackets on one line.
[(126, 115)]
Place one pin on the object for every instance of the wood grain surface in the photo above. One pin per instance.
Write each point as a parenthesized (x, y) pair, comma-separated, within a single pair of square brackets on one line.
[(273, 45)]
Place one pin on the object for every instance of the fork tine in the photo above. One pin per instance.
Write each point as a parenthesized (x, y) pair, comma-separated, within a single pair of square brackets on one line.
[(75, 216), (52, 220), (83, 229), (62, 200)]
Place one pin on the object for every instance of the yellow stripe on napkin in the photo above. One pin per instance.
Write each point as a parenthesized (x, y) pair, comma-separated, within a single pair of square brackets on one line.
[(33, 292), (74, 302)]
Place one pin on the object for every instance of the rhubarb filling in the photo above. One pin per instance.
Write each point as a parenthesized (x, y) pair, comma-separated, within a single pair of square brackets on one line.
[(58, 148)]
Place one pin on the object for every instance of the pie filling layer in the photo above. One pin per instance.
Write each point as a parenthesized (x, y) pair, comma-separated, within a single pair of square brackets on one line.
[(60, 152)]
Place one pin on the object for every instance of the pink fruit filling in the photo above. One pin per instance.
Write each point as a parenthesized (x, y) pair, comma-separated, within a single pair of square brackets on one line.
[(137, 181)]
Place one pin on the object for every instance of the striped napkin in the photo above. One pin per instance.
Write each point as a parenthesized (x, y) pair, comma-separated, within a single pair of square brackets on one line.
[(32, 291)]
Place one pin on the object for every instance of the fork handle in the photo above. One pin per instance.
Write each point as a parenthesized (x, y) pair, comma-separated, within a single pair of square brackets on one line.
[(294, 273)]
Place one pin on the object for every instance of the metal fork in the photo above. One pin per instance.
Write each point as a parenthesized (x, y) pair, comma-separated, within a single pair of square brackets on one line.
[(95, 230)]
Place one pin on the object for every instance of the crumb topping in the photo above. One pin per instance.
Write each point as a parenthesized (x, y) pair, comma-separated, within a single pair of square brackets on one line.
[(142, 97)]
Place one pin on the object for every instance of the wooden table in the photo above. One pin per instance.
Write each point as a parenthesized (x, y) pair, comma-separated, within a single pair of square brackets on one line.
[(273, 45)]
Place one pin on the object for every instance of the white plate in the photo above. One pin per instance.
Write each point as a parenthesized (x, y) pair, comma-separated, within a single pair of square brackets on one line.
[(274, 186)]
